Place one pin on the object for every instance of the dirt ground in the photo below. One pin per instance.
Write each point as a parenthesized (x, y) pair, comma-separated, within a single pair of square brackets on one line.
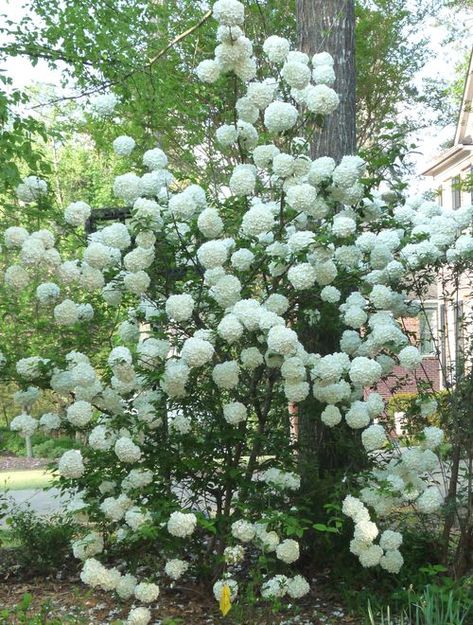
[(76, 604), (20, 463)]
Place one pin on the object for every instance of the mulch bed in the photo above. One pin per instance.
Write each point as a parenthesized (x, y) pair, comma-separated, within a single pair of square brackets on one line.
[(75, 603), (20, 463)]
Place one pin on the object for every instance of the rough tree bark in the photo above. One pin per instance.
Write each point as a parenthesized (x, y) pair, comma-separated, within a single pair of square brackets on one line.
[(327, 26)]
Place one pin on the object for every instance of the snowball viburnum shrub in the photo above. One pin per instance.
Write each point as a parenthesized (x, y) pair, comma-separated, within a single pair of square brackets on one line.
[(206, 361)]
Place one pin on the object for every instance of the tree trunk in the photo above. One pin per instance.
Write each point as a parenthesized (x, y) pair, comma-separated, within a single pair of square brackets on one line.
[(329, 26), (29, 448)]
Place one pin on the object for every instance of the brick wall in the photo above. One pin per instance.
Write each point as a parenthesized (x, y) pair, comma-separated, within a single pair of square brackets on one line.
[(402, 381)]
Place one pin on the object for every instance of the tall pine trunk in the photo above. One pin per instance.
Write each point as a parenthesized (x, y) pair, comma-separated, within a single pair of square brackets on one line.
[(327, 26)]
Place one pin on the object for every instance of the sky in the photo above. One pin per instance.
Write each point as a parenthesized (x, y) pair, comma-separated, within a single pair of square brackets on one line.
[(442, 64)]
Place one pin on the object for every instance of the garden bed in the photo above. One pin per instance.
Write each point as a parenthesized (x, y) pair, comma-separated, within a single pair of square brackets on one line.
[(75, 604)]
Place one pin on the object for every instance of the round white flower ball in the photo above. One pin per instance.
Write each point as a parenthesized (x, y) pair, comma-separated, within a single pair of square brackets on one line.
[(212, 254), (297, 587), (79, 413), (182, 524), (229, 12), (123, 145), (208, 71), (330, 294), (259, 219), (242, 259), (276, 49), (392, 561), (234, 413), (374, 437), (243, 180), (126, 450), (243, 530), (138, 616), (71, 465), (288, 551), (77, 213), (155, 159), (390, 540), (410, 357), (301, 197), (210, 223), (331, 416), (227, 135), (321, 99), (226, 374), (263, 155), (197, 352), (365, 371), (66, 313), (371, 556), (282, 340), (302, 276), (146, 592), (280, 116), (180, 307)]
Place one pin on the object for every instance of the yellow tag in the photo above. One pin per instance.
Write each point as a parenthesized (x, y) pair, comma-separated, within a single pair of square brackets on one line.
[(225, 600)]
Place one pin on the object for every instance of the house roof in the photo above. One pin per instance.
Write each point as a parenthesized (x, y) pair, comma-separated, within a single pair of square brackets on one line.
[(463, 142)]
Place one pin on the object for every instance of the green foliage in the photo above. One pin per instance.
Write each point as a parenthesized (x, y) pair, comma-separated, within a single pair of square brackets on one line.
[(53, 448), (19, 134), (409, 404), (436, 605), (43, 542)]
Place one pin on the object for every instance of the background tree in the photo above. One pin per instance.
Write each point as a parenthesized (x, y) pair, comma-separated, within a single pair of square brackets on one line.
[(330, 26), (123, 50)]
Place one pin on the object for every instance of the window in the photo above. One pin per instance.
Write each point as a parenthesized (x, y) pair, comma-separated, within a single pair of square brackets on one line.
[(428, 330), (440, 196), (456, 192)]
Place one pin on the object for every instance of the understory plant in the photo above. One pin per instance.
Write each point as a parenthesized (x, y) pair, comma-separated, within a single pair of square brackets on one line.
[(187, 437), (434, 606)]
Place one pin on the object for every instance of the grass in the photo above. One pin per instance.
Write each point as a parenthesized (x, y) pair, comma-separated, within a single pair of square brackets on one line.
[(19, 480)]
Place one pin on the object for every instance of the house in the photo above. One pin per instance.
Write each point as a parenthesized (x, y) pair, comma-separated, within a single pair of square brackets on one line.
[(439, 330), (452, 176)]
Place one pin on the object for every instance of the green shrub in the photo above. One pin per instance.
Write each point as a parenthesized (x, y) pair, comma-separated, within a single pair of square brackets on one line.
[(413, 422), (53, 448), (43, 542)]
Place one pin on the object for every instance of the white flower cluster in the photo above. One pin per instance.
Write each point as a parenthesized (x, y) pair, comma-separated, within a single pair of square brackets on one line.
[(220, 282)]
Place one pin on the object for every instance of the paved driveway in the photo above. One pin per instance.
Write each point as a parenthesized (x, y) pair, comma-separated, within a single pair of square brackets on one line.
[(38, 500)]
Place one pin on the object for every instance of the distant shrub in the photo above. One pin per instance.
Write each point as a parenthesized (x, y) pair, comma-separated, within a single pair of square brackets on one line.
[(43, 542), (413, 422), (53, 447)]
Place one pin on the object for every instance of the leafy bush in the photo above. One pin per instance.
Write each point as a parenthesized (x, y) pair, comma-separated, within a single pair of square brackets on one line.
[(413, 422), (43, 542), (53, 447)]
